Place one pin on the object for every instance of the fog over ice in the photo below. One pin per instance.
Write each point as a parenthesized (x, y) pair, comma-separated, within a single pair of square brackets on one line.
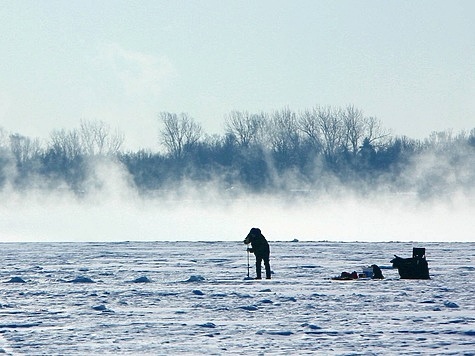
[(112, 210)]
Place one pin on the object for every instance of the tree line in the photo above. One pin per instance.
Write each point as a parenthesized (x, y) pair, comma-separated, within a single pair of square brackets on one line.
[(278, 152)]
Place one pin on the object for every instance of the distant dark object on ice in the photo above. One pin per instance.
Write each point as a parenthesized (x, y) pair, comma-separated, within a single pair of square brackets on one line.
[(415, 267), (81, 279), (346, 276), (102, 308), (208, 325), (143, 279), (16, 280), (449, 304), (373, 272), (195, 279)]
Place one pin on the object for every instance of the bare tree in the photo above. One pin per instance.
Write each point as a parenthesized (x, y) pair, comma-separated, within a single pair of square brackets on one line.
[(66, 144), (92, 138), (246, 128), (24, 148), (358, 128), (353, 125), (440, 139), (97, 139), (332, 131), (375, 133), (179, 133), (309, 125), (283, 131), (115, 142)]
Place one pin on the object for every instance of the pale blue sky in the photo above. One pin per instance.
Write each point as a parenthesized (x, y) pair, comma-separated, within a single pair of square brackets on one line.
[(409, 63)]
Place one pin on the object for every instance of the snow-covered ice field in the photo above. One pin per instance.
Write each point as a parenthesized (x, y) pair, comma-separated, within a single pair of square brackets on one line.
[(197, 301)]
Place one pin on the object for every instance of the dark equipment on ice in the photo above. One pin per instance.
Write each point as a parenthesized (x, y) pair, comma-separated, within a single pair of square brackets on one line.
[(248, 266), (373, 272), (346, 276), (415, 267)]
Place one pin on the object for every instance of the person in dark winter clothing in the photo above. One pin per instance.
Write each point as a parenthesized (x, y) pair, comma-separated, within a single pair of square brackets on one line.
[(260, 248), (377, 274)]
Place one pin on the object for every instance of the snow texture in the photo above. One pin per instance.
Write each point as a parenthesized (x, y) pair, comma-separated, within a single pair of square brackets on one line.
[(191, 298)]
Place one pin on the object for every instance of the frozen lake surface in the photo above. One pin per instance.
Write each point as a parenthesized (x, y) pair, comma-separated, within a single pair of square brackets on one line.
[(196, 300)]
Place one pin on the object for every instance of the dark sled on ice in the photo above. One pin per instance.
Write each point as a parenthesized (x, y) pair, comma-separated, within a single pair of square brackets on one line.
[(415, 267)]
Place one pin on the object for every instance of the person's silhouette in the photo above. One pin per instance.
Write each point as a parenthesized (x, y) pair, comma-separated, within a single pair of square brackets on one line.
[(261, 249)]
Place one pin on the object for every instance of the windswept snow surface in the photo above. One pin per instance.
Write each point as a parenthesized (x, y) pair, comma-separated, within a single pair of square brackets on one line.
[(163, 298)]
